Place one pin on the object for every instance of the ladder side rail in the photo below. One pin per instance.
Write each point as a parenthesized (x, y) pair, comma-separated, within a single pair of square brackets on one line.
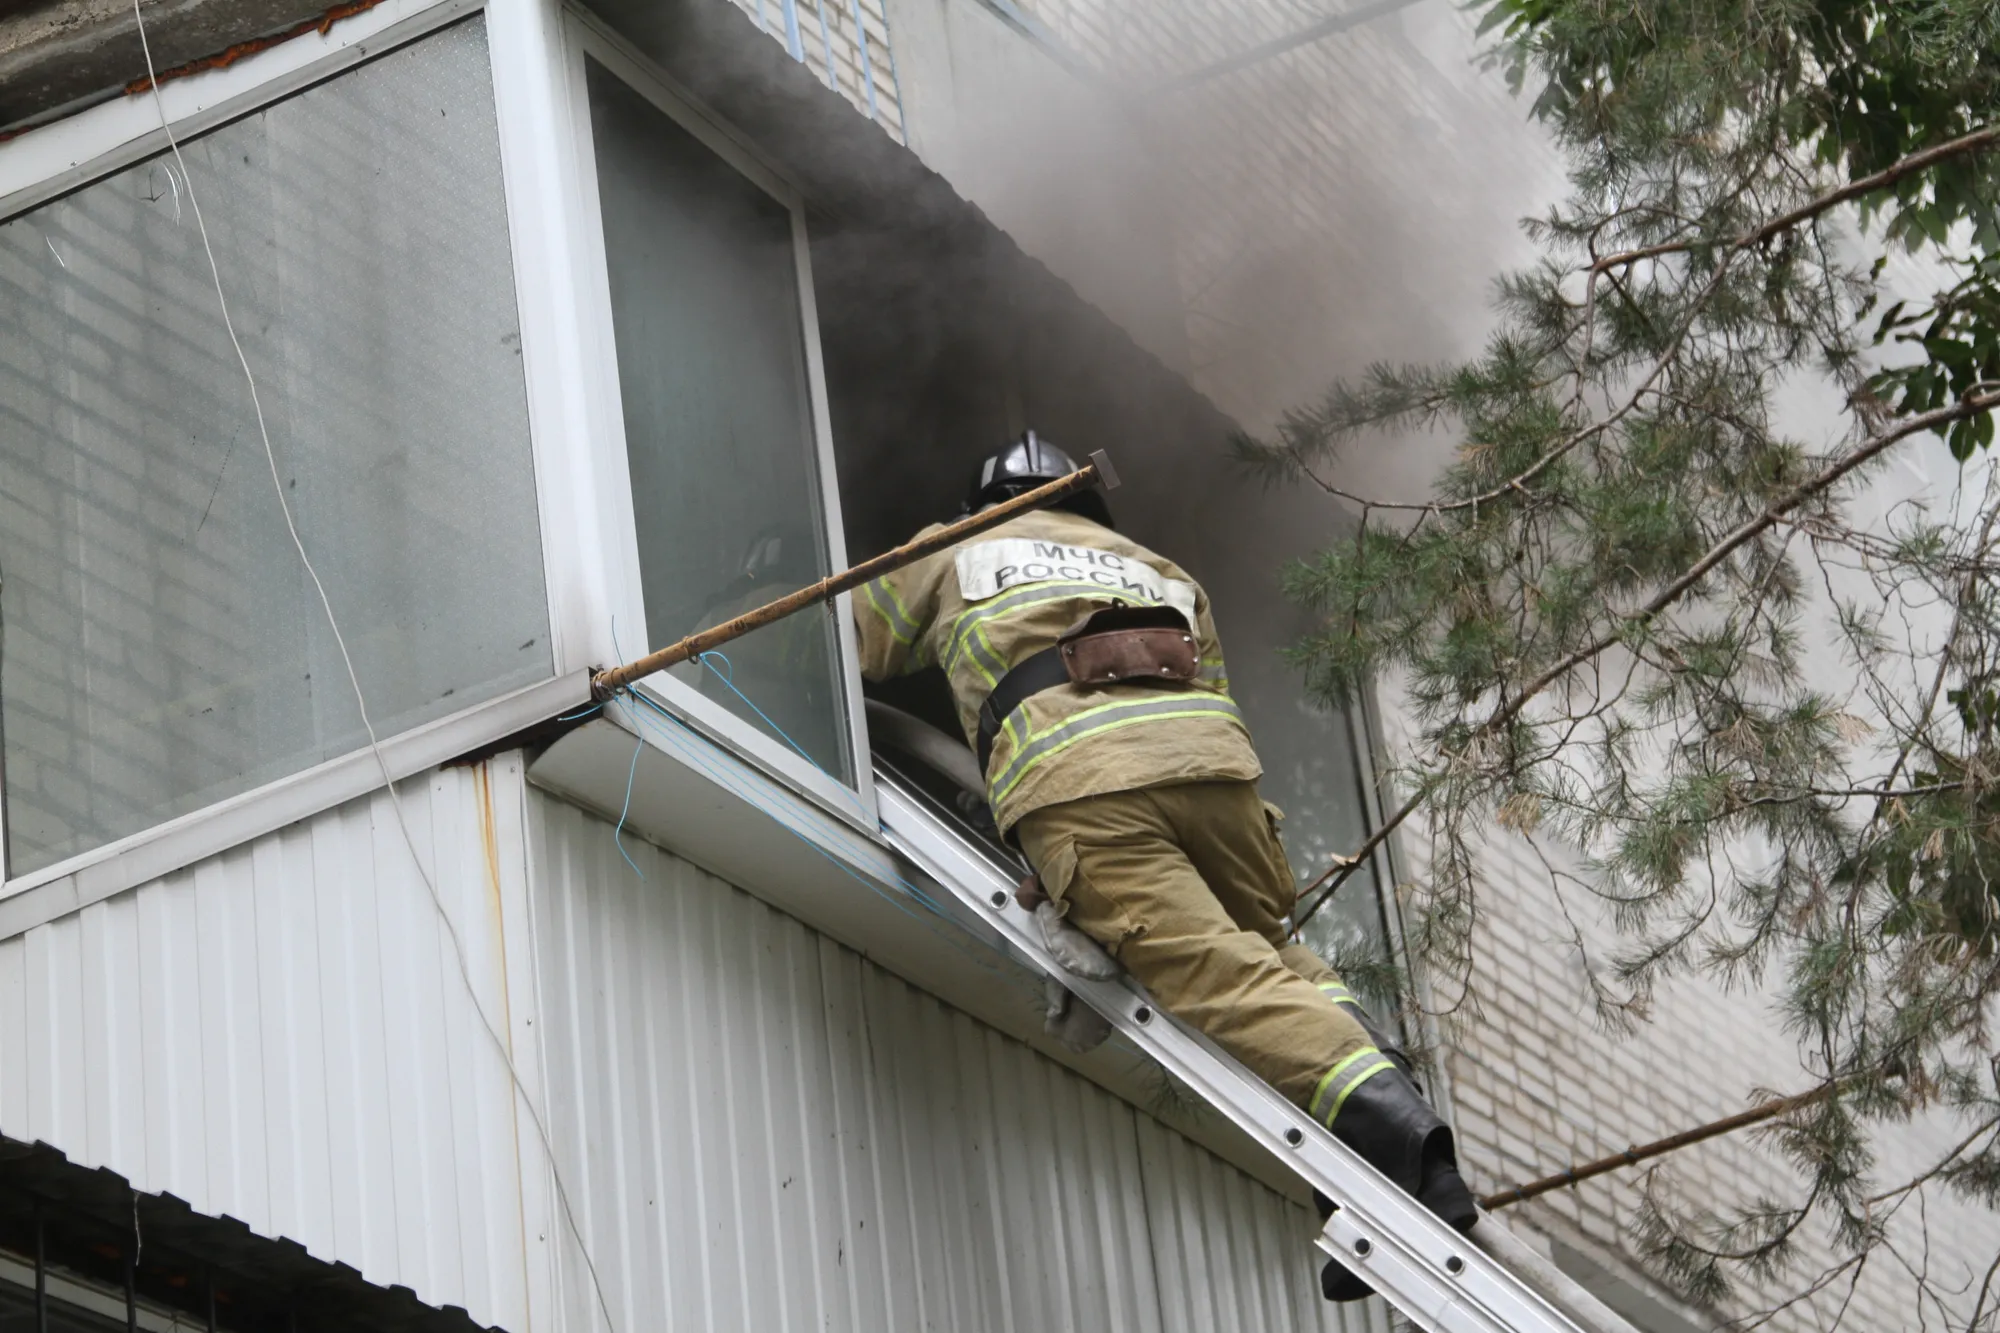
[(1434, 1275)]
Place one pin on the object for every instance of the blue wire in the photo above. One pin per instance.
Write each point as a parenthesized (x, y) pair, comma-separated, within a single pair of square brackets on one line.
[(571, 717), (783, 735), (727, 678), (618, 833)]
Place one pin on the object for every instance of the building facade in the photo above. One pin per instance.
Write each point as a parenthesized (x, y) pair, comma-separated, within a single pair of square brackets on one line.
[(554, 331), (356, 969)]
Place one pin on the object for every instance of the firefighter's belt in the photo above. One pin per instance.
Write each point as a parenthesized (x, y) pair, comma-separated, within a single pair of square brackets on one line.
[(1116, 645)]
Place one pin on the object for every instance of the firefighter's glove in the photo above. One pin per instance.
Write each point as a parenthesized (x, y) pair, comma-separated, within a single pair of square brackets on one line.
[(1070, 1021), (1079, 954), (1066, 1018)]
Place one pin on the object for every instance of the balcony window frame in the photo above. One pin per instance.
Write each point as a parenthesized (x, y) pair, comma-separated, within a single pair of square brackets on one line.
[(583, 38), (575, 418), (66, 155)]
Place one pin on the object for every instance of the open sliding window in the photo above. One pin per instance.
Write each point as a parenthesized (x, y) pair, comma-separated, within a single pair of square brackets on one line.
[(164, 647), (708, 294)]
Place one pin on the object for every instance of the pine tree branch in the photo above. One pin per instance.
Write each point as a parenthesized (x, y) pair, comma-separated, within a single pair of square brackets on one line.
[(1976, 141), (1938, 1167), (1343, 868), (1806, 212)]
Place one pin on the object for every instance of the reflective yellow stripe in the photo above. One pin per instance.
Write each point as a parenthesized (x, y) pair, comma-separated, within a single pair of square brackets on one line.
[(903, 627), (1106, 717), (1333, 1112), (990, 661), (976, 615), (917, 653), (1326, 1080), (979, 648), (902, 608), (1013, 728), (1338, 993), (1343, 1079)]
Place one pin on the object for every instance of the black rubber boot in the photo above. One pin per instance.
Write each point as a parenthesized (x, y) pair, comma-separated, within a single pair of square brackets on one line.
[(1396, 1132)]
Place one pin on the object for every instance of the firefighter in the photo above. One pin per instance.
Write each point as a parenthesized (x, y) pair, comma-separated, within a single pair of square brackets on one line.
[(1088, 678)]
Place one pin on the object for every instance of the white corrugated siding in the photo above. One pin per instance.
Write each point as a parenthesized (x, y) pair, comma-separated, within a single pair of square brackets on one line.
[(759, 1129), (280, 1034), (763, 1130)]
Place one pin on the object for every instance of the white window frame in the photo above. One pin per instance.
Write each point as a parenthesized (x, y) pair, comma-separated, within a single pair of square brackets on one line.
[(64, 155), (584, 37), (575, 418), (69, 154)]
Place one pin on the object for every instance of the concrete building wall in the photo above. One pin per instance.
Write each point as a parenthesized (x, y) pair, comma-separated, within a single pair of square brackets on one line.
[(1053, 155), (1537, 1085)]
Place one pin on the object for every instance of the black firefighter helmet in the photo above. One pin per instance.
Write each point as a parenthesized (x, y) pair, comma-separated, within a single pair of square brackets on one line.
[(1029, 462)]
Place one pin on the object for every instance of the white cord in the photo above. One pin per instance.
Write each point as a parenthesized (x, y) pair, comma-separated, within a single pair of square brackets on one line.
[(360, 702)]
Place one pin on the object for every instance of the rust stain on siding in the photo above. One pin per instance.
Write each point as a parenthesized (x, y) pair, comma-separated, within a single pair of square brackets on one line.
[(229, 55), (489, 838)]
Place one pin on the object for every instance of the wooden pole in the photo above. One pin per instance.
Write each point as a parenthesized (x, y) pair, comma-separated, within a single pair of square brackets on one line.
[(1098, 471), (1658, 1147)]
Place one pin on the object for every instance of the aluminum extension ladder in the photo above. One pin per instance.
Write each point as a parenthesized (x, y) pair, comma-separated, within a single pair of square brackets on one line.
[(1439, 1279)]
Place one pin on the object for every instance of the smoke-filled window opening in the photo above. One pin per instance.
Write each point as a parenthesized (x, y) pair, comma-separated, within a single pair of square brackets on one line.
[(936, 357)]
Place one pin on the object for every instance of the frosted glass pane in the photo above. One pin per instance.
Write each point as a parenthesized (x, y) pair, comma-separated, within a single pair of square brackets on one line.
[(718, 420), (163, 648)]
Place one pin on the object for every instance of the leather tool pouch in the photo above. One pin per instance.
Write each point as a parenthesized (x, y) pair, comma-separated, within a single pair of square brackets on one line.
[(1129, 643)]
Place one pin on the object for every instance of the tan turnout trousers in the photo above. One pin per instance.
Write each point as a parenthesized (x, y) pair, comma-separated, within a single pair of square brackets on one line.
[(1188, 886)]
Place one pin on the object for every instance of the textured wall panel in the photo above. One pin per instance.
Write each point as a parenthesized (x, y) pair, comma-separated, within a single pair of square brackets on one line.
[(280, 1034), (763, 1130)]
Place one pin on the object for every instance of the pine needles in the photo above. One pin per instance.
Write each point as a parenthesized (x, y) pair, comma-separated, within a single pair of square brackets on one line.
[(1638, 618)]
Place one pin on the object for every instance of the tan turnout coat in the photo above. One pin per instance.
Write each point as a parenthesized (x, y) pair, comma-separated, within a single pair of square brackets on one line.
[(980, 608)]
